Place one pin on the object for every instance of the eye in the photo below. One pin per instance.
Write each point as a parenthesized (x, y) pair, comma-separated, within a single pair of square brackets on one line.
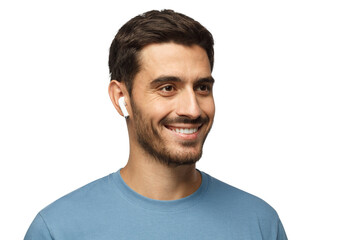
[(204, 89), (167, 88)]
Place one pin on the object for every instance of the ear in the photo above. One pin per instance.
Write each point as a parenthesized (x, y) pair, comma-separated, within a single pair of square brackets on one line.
[(117, 90)]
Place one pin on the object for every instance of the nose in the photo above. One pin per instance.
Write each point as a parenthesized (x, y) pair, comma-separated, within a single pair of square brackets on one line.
[(188, 105)]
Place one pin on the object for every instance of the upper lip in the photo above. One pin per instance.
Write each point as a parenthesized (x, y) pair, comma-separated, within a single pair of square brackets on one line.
[(183, 126)]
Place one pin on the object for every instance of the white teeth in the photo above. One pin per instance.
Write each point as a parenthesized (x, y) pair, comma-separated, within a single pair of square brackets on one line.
[(185, 130)]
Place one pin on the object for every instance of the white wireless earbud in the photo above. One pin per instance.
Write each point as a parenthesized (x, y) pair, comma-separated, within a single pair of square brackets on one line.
[(122, 105)]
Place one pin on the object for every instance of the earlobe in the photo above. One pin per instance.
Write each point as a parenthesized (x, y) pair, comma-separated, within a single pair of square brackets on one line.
[(117, 90)]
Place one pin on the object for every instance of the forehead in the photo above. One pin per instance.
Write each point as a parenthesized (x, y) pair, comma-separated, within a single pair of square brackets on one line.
[(185, 62)]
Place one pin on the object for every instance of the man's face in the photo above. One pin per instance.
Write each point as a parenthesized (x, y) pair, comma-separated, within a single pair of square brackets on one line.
[(172, 102)]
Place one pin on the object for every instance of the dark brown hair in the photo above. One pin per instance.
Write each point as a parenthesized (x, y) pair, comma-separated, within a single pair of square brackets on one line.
[(153, 27)]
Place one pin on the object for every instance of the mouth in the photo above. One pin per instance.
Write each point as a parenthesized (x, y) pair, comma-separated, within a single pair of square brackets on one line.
[(185, 131)]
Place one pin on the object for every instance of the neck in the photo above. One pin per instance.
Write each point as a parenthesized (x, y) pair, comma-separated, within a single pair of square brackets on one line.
[(155, 180)]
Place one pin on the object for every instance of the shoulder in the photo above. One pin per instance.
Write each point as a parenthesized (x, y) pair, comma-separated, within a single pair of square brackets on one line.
[(79, 199), (238, 201), (243, 212), (65, 215)]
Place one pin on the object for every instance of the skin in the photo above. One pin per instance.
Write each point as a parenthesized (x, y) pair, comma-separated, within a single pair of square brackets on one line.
[(173, 90)]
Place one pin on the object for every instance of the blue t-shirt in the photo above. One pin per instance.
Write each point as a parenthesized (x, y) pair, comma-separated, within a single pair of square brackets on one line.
[(109, 209)]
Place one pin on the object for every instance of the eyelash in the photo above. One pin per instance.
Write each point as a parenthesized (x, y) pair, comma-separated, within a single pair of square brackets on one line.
[(208, 88), (163, 88), (166, 91)]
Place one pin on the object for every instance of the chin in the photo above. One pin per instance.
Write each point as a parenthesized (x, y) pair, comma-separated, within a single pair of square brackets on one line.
[(183, 158)]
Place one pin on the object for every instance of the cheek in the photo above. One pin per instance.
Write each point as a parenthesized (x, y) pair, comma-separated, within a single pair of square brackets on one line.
[(208, 107), (161, 107), (156, 111)]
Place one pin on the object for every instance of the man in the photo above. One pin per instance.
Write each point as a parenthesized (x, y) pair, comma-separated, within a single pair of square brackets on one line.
[(160, 64)]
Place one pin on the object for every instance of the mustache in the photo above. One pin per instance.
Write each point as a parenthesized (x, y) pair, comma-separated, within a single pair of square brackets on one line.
[(182, 119)]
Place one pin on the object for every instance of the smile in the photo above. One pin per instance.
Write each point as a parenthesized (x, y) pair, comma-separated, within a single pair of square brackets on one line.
[(189, 131), (185, 130)]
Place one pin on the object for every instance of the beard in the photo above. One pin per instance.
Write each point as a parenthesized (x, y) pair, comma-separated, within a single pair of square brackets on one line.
[(151, 141)]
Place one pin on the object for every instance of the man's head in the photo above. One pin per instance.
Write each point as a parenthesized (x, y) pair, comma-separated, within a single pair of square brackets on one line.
[(161, 62), (153, 27)]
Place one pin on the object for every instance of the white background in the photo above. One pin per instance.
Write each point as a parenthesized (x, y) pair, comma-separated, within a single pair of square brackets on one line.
[(287, 97)]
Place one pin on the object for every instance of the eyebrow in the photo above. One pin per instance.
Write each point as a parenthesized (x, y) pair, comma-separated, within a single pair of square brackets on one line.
[(166, 79), (209, 79)]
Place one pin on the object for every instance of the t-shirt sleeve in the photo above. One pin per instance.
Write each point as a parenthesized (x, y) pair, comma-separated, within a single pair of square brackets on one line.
[(281, 235), (38, 230)]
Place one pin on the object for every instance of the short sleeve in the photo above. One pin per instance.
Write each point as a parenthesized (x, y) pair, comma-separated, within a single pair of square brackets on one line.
[(281, 235), (38, 230)]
